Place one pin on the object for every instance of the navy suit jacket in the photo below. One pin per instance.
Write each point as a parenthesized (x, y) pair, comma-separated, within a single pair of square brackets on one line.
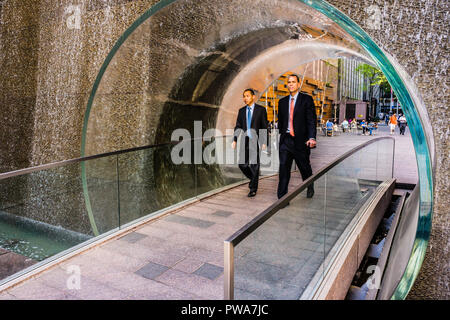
[(304, 119), (259, 120)]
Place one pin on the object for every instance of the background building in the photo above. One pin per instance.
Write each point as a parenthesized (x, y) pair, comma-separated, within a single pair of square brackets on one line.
[(318, 79)]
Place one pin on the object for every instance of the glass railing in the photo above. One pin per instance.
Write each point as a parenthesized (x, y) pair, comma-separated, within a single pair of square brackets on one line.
[(290, 246), (51, 210)]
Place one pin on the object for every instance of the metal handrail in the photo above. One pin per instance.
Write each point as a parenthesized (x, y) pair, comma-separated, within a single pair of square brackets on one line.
[(86, 158), (250, 227), (242, 233)]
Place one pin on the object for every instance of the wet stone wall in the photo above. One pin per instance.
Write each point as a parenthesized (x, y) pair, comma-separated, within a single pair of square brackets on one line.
[(416, 34)]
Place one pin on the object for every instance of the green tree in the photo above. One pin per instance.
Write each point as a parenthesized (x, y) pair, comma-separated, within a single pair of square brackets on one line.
[(375, 77)]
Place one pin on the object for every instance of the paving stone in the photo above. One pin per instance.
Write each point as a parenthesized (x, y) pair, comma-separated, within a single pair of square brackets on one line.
[(240, 294), (108, 256), (197, 241), (36, 290), (133, 237), (209, 256), (209, 271), (139, 287), (199, 286), (266, 273), (221, 221), (268, 291), (277, 258), (90, 266), (189, 221), (140, 254), (187, 230), (154, 231), (79, 285), (93, 290), (151, 270), (188, 265), (161, 292), (6, 296)]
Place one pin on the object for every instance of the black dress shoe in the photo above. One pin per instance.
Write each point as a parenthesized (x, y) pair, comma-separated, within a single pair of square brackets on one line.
[(310, 192), (251, 194)]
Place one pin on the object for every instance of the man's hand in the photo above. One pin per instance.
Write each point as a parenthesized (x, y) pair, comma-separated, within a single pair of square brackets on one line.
[(263, 147), (233, 145), (311, 143)]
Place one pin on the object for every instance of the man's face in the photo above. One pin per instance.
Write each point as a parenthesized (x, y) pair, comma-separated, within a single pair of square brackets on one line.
[(293, 84), (249, 98)]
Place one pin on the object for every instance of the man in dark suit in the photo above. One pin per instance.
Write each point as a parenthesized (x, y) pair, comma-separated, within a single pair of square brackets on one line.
[(250, 120), (297, 126)]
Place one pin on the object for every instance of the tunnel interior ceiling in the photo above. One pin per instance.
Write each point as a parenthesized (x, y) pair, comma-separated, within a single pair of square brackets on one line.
[(177, 66)]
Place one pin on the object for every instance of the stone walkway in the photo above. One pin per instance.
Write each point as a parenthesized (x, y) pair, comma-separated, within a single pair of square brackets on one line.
[(180, 255)]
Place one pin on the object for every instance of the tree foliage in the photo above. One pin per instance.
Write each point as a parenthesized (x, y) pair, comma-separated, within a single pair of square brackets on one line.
[(375, 76)]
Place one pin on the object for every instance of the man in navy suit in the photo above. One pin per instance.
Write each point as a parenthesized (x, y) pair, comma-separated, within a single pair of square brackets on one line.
[(297, 126), (250, 120)]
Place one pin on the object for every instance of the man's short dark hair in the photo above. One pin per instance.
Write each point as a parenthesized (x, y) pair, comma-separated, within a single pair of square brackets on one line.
[(250, 90), (294, 75)]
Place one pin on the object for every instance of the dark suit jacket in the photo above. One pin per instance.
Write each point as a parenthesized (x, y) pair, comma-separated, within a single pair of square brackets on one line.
[(304, 119), (259, 121)]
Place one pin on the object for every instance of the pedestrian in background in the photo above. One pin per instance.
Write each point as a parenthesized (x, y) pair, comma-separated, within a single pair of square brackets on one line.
[(392, 123), (344, 125), (354, 126), (402, 124), (364, 127)]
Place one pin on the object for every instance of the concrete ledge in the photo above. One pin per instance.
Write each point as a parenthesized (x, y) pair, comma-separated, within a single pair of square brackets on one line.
[(349, 250)]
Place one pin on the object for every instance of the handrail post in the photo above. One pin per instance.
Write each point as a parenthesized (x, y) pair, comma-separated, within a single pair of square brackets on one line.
[(228, 270)]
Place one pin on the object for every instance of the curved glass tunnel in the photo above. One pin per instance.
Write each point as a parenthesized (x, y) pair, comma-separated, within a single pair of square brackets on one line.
[(186, 61)]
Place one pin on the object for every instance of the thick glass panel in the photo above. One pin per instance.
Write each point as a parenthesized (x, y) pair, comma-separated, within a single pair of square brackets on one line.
[(280, 258), (101, 191), (368, 162), (385, 159), (348, 186), (144, 190), (269, 157), (42, 214), (219, 166), (287, 256)]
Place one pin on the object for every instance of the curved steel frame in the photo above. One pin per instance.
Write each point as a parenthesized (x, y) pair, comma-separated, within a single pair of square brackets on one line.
[(418, 133)]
